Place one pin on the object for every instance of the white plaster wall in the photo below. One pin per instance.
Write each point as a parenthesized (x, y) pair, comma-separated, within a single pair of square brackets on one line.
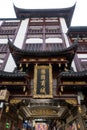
[(63, 25), (84, 58), (66, 40), (10, 65), (65, 29), (82, 55), (54, 40), (21, 33), (1, 23), (73, 66), (12, 21), (3, 41), (34, 40)]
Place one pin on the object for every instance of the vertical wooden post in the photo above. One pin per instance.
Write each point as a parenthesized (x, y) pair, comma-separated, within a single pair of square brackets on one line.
[(1, 110), (80, 122), (12, 126)]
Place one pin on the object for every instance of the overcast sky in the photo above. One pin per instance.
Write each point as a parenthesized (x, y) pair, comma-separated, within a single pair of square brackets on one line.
[(79, 16)]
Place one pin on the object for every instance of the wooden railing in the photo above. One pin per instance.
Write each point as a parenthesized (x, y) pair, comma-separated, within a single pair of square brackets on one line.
[(48, 31), (48, 46), (82, 47), (3, 47), (7, 32), (10, 24)]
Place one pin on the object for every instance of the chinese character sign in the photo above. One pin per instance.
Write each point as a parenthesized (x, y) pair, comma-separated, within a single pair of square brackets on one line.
[(43, 81)]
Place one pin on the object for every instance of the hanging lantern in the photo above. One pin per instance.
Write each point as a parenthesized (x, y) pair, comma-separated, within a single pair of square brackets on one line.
[(7, 109), (24, 88), (61, 88), (79, 109), (66, 64), (62, 59), (58, 105), (20, 65), (24, 59), (65, 69), (59, 64), (26, 64)]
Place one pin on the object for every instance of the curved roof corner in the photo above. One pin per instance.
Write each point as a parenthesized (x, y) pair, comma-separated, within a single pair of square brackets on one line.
[(18, 53)]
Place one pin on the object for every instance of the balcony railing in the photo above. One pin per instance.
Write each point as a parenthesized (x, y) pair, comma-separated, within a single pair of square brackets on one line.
[(47, 31), (7, 32), (48, 46), (82, 47), (10, 24), (33, 31), (3, 47)]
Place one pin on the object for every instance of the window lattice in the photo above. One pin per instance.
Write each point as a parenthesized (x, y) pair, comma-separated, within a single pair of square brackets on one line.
[(48, 47), (3, 55), (10, 24), (82, 47), (84, 65), (7, 32)]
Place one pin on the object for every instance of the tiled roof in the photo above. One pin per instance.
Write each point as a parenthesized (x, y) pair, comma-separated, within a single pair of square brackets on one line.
[(5, 74), (72, 74), (17, 53), (37, 13)]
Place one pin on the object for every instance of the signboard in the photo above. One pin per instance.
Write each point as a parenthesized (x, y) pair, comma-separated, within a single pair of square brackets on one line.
[(43, 81), (4, 95)]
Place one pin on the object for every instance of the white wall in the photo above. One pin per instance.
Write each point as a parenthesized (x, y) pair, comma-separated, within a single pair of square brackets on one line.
[(63, 25), (10, 65), (74, 66), (21, 33), (1, 23), (3, 41), (82, 55), (65, 29)]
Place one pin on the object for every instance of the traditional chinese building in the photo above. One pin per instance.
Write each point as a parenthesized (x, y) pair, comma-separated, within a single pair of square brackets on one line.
[(43, 76)]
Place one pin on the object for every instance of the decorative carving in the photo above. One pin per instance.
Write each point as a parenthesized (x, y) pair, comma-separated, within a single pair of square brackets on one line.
[(12, 83), (61, 88), (4, 95), (24, 88), (71, 101), (43, 112), (15, 101), (7, 109), (74, 82)]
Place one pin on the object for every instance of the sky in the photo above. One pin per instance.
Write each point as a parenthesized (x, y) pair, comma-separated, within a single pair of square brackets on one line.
[(79, 16)]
